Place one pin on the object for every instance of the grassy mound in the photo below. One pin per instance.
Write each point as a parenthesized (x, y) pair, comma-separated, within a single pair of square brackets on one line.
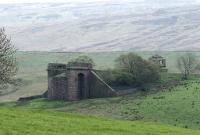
[(23, 122)]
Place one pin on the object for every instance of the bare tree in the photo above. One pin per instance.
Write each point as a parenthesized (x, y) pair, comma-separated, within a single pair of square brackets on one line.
[(8, 64), (187, 64)]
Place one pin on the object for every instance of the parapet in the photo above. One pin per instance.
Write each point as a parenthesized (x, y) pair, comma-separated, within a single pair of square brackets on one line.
[(57, 66), (75, 65), (56, 69)]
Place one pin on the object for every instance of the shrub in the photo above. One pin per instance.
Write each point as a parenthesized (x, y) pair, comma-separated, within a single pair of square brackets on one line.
[(83, 59), (124, 78), (134, 70)]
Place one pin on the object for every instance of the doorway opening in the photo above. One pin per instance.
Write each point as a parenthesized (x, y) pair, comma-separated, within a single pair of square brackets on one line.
[(81, 85)]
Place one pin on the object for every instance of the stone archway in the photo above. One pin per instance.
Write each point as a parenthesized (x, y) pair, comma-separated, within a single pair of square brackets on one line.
[(81, 85)]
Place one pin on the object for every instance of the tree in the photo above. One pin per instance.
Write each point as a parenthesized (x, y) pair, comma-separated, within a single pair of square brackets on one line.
[(83, 59), (187, 64), (8, 64), (141, 71)]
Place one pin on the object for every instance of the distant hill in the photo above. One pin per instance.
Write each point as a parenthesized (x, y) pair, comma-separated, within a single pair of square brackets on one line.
[(104, 26)]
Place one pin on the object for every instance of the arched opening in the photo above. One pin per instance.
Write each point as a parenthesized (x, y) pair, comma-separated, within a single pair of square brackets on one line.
[(81, 85)]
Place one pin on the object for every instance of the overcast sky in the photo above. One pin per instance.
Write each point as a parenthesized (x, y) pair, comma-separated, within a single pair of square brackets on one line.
[(46, 1), (81, 1)]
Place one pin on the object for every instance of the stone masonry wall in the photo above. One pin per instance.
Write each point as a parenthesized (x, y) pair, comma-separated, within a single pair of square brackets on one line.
[(58, 88), (73, 90), (98, 88)]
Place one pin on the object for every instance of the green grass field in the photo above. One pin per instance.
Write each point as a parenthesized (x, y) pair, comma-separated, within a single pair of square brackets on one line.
[(37, 122), (176, 106)]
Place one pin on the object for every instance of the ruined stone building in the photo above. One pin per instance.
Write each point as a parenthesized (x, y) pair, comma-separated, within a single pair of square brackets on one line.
[(160, 61), (75, 81)]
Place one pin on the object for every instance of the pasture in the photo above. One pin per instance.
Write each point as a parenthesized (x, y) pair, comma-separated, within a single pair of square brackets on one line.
[(176, 106), (38, 122)]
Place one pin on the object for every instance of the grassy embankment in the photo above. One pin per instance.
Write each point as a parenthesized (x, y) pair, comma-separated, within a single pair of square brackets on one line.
[(26, 122), (177, 106)]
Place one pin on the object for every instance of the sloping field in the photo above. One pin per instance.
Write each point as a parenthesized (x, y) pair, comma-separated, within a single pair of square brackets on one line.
[(26, 122), (177, 106)]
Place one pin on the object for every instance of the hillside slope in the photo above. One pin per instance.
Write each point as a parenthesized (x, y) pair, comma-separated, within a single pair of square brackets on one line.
[(177, 106), (104, 26), (23, 122)]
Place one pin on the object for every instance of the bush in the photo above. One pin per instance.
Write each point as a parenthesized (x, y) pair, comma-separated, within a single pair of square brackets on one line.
[(124, 78), (131, 70), (134, 70), (83, 59)]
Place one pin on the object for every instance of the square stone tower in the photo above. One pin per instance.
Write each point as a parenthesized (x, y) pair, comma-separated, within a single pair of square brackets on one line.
[(160, 61)]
